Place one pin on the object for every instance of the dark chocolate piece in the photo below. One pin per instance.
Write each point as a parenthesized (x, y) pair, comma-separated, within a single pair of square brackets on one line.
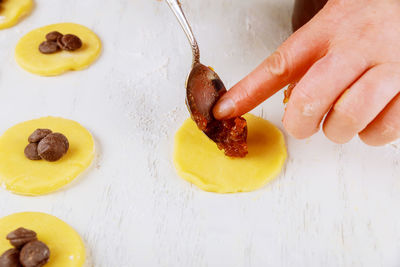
[(21, 236), (38, 135), (34, 254), (53, 147), (10, 258), (70, 42), (48, 47), (31, 152), (53, 36)]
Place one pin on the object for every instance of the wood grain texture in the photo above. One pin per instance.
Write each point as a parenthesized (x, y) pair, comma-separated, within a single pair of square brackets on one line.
[(334, 205)]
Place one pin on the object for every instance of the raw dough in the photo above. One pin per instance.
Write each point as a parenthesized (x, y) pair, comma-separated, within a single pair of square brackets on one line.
[(28, 56), (11, 11), (66, 246), (199, 161), (23, 176)]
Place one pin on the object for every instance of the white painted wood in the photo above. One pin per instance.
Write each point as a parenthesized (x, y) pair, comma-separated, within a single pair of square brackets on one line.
[(332, 206)]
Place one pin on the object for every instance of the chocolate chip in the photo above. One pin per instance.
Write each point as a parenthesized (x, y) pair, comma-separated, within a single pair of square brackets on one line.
[(31, 152), (19, 237), (48, 47), (65, 140), (69, 42), (38, 135), (53, 36), (10, 258), (34, 254), (53, 147)]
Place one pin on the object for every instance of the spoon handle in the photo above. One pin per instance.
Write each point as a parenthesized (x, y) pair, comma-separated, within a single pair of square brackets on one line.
[(176, 8)]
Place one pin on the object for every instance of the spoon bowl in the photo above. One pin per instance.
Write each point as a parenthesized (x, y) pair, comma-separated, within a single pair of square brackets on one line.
[(203, 89)]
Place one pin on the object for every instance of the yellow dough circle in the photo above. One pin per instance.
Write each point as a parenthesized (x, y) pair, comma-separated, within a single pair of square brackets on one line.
[(199, 161), (11, 11), (37, 177), (28, 56), (66, 246)]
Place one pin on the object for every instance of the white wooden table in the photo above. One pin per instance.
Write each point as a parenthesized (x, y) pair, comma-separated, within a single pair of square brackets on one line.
[(334, 205)]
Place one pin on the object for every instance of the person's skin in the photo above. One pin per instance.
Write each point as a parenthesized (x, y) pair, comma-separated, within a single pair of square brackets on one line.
[(346, 62)]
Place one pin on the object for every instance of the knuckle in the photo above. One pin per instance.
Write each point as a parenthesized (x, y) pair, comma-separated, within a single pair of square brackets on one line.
[(307, 104), (278, 64)]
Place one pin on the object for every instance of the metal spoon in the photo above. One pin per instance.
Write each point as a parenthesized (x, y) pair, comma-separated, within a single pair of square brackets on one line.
[(203, 86), (203, 89)]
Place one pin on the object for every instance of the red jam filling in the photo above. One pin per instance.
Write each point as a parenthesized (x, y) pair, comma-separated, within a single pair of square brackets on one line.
[(229, 135)]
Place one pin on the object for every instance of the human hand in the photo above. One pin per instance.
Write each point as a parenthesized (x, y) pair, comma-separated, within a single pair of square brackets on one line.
[(346, 62)]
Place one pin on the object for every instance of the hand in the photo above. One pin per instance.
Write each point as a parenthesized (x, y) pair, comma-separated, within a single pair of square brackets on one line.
[(346, 62)]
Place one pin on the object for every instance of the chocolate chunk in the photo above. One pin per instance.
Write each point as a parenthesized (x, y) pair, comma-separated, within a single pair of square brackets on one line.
[(48, 47), (53, 36), (34, 254), (53, 147), (21, 236), (65, 140), (31, 152), (69, 42), (10, 258), (38, 135)]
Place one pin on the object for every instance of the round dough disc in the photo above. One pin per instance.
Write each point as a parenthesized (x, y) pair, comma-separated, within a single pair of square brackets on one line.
[(28, 177), (29, 57), (199, 161), (66, 246), (11, 11)]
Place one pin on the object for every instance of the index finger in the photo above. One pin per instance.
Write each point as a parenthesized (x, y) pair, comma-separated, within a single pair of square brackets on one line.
[(287, 64)]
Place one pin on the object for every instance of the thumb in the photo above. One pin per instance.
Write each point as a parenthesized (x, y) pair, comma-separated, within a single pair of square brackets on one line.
[(287, 64)]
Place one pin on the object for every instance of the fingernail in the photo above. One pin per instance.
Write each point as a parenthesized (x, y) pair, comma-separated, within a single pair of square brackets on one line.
[(225, 108)]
